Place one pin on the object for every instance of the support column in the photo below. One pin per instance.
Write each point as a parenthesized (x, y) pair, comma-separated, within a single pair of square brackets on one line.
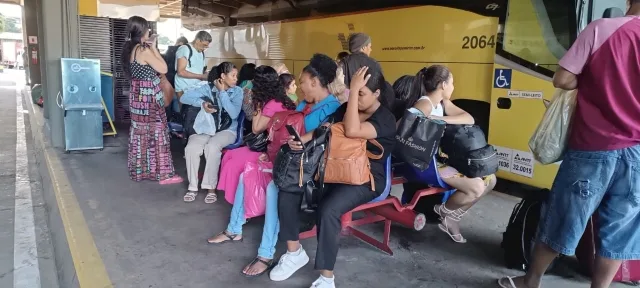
[(60, 40), (33, 54)]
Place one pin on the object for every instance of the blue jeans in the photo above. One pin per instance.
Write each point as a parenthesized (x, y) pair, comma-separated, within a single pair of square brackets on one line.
[(588, 181), (271, 224)]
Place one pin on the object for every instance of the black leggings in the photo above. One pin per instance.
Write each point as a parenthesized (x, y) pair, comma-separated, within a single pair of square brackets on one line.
[(338, 199)]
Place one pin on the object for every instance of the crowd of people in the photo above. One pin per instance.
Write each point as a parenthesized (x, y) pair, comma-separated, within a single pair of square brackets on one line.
[(352, 90)]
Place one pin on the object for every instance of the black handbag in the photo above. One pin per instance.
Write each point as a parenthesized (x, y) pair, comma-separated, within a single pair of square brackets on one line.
[(296, 171), (256, 142), (418, 139), (221, 116), (189, 114)]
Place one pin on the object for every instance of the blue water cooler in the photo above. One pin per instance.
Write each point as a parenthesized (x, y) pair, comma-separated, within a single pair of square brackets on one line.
[(81, 101)]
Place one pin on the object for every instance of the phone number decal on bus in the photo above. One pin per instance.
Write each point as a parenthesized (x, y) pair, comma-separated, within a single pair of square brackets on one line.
[(475, 42), (515, 161)]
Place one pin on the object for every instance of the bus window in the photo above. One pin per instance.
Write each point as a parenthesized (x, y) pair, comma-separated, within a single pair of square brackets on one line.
[(539, 32), (613, 8)]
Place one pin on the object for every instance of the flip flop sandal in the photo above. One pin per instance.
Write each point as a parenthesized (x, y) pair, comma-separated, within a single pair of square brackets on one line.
[(270, 264), (455, 237), (211, 198), (190, 196), (173, 180), (232, 238), (511, 283)]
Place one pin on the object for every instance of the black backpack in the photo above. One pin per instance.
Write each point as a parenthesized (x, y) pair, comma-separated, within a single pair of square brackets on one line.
[(458, 140), (518, 239), (467, 151), (296, 171), (170, 59)]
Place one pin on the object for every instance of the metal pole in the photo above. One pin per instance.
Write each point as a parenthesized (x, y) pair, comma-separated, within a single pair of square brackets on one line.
[(32, 51)]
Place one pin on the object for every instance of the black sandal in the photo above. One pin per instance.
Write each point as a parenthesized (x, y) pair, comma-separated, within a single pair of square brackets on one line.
[(270, 264), (232, 238)]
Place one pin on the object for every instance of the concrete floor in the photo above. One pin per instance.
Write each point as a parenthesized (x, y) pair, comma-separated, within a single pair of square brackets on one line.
[(14, 246), (148, 237)]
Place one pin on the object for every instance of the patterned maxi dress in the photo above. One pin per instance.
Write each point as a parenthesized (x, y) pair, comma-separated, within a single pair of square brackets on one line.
[(149, 147)]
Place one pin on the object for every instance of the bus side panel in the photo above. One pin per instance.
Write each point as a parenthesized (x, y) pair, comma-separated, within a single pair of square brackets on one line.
[(511, 127), (403, 40)]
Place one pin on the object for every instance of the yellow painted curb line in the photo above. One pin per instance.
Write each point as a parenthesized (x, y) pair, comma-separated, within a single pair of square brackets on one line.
[(90, 269)]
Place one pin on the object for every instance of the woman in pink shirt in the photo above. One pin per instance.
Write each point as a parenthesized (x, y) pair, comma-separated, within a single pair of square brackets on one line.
[(268, 99)]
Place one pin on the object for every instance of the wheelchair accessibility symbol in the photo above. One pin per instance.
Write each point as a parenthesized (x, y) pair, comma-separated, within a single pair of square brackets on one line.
[(502, 79)]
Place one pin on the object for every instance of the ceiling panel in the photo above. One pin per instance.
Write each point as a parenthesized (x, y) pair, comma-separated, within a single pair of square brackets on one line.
[(170, 8)]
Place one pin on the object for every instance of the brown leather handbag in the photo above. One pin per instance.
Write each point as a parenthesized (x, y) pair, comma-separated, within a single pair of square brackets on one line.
[(167, 90), (347, 160)]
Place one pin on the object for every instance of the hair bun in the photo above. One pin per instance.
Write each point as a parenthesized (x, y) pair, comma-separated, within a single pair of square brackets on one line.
[(325, 66)]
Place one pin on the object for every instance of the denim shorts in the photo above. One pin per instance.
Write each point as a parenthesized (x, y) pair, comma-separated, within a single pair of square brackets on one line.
[(588, 181)]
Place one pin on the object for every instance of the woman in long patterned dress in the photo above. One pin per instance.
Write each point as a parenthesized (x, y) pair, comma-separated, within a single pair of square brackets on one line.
[(149, 150)]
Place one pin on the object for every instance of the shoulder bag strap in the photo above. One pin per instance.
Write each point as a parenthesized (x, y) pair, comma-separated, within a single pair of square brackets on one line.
[(190, 54), (377, 144)]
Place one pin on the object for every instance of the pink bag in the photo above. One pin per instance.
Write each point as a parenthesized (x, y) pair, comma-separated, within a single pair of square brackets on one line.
[(256, 178)]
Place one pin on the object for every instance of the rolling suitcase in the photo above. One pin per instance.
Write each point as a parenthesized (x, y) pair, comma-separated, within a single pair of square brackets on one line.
[(629, 270)]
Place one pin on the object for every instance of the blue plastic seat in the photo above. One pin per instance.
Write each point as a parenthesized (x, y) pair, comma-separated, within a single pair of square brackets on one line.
[(430, 176), (239, 132), (387, 188)]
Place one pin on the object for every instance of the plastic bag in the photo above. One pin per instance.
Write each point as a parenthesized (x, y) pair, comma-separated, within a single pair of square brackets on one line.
[(549, 142), (204, 123), (256, 178)]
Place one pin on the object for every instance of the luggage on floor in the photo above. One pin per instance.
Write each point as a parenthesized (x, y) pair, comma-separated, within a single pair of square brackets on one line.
[(629, 270), (518, 240)]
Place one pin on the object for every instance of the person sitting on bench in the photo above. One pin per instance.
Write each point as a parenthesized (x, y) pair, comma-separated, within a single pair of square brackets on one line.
[(364, 117), (431, 95), (223, 78)]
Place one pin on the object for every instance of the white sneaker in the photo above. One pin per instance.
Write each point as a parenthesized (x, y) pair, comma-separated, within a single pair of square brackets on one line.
[(323, 282), (289, 263)]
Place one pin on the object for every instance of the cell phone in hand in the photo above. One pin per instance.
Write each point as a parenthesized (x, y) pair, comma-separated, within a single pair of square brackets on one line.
[(294, 133), (151, 39)]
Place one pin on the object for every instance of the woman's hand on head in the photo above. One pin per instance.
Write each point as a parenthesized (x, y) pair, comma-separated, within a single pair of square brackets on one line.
[(219, 84), (359, 79)]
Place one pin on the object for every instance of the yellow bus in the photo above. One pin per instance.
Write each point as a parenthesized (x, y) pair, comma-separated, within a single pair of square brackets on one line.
[(503, 54)]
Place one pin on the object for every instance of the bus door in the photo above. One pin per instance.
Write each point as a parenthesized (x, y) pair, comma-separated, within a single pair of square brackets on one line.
[(537, 33)]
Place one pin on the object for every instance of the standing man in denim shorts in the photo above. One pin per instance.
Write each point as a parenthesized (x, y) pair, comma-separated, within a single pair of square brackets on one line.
[(601, 170)]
